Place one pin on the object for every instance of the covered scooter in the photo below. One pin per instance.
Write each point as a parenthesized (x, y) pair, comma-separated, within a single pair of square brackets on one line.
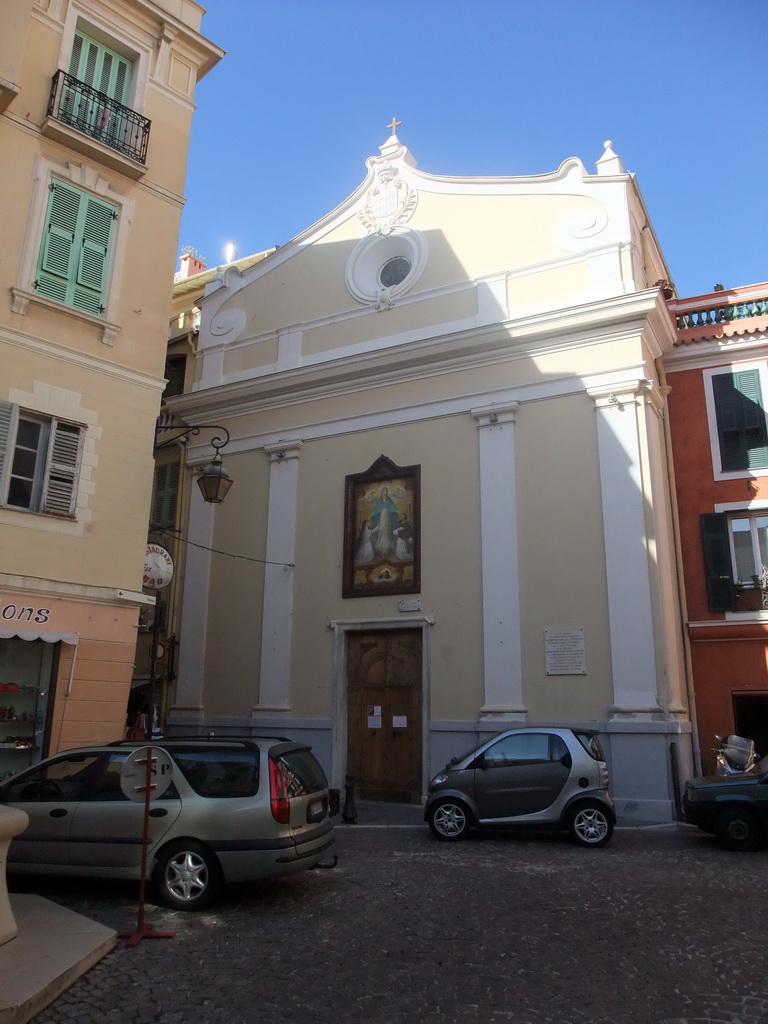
[(736, 755)]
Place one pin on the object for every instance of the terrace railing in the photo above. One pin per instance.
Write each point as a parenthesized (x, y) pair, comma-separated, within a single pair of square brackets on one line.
[(719, 313), (92, 112)]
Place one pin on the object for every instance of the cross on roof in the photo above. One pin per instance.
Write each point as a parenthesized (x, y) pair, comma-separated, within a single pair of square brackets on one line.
[(394, 124)]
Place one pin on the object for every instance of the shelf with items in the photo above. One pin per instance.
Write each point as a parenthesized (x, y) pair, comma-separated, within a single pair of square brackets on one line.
[(19, 726)]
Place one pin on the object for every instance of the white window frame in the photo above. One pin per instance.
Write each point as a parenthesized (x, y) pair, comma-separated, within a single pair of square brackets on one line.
[(47, 473), (741, 509), (761, 365), (86, 179), (119, 36)]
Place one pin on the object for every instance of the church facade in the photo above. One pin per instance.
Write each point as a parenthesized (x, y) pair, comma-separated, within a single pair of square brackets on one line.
[(451, 511)]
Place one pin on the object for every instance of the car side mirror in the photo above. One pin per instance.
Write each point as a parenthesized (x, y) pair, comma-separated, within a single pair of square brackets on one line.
[(479, 762)]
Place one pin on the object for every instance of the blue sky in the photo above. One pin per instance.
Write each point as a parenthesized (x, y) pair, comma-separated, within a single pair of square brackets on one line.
[(286, 121)]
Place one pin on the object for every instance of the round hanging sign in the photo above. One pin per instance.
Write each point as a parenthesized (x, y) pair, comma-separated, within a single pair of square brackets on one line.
[(158, 567), (133, 778)]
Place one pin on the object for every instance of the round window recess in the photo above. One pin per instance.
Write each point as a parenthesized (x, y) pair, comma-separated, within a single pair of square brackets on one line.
[(386, 263), (394, 271)]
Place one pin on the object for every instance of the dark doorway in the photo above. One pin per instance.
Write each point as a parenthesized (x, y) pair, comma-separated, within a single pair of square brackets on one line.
[(750, 718)]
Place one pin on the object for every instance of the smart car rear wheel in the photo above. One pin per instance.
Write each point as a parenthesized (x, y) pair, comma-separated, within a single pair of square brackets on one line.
[(737, 828), (590, 825), (187, 876), (450, 820)]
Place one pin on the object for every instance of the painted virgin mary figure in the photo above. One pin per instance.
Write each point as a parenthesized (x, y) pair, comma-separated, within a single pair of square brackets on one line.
[(384, 519)]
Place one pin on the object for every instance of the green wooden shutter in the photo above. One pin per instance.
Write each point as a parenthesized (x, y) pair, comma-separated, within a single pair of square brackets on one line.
[(103, 69), (74, 254), (91, 282), (62, 468), (741, 420), (721, 593), (166, 494), (55, 267)]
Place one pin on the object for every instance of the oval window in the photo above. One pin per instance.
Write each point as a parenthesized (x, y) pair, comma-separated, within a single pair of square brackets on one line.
[(394, 271)]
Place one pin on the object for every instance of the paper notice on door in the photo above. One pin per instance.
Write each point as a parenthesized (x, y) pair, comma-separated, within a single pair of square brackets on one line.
[(399, 721), (374, 716)]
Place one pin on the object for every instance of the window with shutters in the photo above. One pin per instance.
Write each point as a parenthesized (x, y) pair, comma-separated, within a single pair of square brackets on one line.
[(92, 97), (165, 495), (735, 557), (738, 428), (40, 460), (98, 66), (75, 249)]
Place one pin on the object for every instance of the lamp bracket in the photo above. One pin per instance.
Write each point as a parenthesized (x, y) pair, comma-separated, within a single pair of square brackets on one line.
[(181, 433)]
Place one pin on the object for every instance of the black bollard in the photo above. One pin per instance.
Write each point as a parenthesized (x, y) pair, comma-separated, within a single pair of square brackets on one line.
[(334, 802), (349, 814)]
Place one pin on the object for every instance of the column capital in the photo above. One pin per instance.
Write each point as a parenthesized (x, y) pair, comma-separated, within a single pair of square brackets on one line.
[(493, 415), (283, 450), (625, 392)]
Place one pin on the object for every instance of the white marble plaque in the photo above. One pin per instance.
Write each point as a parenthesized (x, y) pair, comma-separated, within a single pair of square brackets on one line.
[(564, 652)]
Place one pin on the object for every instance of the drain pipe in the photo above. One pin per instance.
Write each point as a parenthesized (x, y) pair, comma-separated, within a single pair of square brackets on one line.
[(665, 389)]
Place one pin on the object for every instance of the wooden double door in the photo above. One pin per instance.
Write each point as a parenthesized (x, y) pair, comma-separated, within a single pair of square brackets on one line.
[(384, 709)]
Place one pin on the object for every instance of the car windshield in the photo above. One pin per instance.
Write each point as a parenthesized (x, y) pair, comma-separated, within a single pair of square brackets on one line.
[(461, 757), (591, 744)]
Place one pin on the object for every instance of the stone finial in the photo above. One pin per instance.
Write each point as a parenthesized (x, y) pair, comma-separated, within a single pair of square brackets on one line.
[(609, 163)]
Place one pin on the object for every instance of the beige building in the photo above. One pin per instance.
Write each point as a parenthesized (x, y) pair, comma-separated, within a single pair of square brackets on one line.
[(451, 511), (97, 101)]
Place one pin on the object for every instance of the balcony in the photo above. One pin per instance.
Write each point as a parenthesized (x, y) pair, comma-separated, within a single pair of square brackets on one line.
[(721, 314), (91, 122)]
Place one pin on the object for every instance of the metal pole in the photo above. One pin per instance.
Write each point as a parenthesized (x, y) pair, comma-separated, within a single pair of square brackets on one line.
[(153, 667)]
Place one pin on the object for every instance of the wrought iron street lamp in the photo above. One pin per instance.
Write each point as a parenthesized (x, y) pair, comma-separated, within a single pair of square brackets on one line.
[(214, 481)]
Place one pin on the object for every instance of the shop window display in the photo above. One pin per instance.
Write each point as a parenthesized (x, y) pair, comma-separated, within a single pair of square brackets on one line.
[(25, 679)]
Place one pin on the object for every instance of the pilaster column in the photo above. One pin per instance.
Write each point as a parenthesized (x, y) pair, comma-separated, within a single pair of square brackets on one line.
[(277, 623), (194, 621), (502, 655), (627, 502)]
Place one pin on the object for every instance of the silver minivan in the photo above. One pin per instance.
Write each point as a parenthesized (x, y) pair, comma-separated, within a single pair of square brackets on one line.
[(532, 777), (235, 810)]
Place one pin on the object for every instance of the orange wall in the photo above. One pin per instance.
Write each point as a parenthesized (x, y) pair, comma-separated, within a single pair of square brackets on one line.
[(697, 490), (721, 668)]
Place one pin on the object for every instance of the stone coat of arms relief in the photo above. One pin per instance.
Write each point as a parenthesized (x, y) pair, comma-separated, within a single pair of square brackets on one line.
[(390, 202)]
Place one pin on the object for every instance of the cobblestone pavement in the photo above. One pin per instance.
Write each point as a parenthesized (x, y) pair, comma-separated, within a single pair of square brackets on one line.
[(662, 926)]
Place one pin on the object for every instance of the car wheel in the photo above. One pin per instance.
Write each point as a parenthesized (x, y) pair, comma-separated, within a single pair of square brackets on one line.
[(450, 820), (590, 825), (187, 876), (737, 828)]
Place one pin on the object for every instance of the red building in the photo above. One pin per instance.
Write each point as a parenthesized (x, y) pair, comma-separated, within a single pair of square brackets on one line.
[(718, 375)]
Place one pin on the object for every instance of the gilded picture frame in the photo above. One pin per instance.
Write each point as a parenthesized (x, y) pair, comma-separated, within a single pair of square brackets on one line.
[(382, 531)]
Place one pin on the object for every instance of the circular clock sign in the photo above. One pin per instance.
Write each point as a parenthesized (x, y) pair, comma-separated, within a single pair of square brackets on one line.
[(158, 567)]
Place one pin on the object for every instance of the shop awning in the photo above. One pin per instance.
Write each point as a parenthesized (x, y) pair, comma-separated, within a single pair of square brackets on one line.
[(8, 631)]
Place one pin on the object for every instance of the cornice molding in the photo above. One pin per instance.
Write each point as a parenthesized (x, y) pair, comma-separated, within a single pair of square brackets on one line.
[(472, 346), (83, 360)]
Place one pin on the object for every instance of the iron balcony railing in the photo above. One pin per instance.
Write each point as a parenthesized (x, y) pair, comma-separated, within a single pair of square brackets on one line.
[(95, 114), (722, 313)]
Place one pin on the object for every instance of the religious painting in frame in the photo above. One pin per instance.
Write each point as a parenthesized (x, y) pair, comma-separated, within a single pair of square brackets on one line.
[(382, 531)]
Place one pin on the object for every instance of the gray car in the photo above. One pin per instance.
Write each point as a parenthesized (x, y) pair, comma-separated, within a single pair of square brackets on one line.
[(235, 810), (553, 778)]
